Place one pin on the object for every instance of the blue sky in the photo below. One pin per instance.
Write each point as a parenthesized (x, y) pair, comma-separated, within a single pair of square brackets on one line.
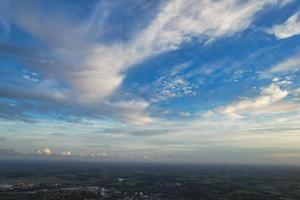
[(159, 81)]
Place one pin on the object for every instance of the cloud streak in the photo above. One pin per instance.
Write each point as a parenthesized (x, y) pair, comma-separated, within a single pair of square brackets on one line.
[(287, 65), (268, 96)]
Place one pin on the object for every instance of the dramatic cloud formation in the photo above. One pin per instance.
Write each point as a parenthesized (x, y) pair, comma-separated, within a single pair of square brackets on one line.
[(176, 80), (86, 65)]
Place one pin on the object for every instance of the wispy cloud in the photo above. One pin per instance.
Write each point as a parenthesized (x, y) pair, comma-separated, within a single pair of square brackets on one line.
[(290, 64), (134, 111), (288, 29), (268, 96)]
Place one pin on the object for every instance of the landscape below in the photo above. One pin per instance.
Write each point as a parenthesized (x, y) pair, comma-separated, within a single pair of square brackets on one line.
[(55, 180)]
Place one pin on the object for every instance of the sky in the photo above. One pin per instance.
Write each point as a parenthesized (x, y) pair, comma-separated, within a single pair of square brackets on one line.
[(201, 81)]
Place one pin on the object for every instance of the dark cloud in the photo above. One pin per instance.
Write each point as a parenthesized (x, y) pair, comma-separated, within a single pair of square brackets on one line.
[(151, 132), (273, 130), (8, 152), (11, 113), (57, 134), (111, 131), (141, 132), (2, 138), (97, 146)]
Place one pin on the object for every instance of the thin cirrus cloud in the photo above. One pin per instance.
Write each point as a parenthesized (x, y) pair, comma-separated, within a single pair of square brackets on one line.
[(269, 96), (289, 64)]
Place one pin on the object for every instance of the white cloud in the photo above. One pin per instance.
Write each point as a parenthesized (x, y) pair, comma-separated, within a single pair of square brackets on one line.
[(297, 92), (181, 20), (48, 88), (45, 151), (172, 87), (66, 153), (146, 157), (31, 76), (185, 114), (133, 111), (104, 154), (268, 96), (174, 84), (176, 23), (288, 29), (285, 2), (92, 70)]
